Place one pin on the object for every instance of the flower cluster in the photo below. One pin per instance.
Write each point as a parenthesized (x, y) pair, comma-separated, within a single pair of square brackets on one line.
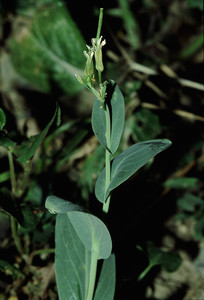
[(94, 52)]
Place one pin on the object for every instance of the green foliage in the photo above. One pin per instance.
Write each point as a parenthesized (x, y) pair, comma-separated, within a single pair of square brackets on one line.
[(2, 119), (50, 51), (182, 183), (81, 239), (143, 125), (195, 4), (192, 206), (24, 153), (106, 285), (92, 165), (28, 148), (167, 260), (115, 103), (93, 233), (29, 7), (10, 270), (72, 261), (127, 163)]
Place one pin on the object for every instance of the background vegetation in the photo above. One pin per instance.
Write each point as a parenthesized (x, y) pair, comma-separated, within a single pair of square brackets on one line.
[(154, 52)]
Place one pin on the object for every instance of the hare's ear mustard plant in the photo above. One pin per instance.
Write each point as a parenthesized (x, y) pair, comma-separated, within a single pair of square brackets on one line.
[(81, 238)]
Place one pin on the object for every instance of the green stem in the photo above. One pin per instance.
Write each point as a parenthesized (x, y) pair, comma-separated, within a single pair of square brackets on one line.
[(100, 21), (42, 251), (144, 273), (99, 77), (92, 275), (15, 235), (107, 157), (12, 172), (14, 231)]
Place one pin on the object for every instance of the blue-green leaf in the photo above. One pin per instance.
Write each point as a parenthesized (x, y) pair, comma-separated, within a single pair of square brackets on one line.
[(92, 232), (78, 237), (115, 102), (72, 261), (127, 163), (106, 284), (57, 205)]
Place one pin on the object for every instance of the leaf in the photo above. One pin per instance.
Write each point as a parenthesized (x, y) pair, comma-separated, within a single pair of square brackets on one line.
[(10, 270), (115, 102), (57, 205), (4, 176), (182, 183), (49, 52), (27, 150), (72, 261), (28, 219), (5, 141), (92, 232), (127, 163), (169, 261), (2, 119), (195, 4), (189, 202), (199, 229), (106, 284), (23, 215), (143, 125), (78, 237)]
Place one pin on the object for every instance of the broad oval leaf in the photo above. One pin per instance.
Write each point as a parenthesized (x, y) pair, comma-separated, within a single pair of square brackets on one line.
[(115, 103), (92, 232), (127, 163)]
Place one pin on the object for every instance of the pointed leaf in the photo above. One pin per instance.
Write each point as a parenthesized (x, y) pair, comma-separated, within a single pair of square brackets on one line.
[(115, 103), (2, 119), (72, 261), (105, 289), (127, 163), (28, 149)]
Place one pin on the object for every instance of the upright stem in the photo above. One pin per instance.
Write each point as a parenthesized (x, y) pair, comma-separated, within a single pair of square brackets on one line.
[(12, 172), (107, 157), (100, 21), (14, 191), (15, 235), (92, 275)]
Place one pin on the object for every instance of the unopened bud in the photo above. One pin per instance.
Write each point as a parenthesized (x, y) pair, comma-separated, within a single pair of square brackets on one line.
[(98, 54), (89, 67), (80, 80)]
